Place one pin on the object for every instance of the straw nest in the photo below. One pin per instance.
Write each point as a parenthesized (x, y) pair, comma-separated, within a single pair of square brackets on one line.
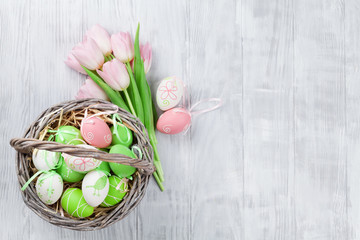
[(71, 113)]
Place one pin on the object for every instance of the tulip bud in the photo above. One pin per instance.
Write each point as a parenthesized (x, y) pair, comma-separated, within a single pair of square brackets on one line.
[(91, 90), (115, 75), (74, 64), (101, 37), (88, 54), (146, 55), (122, 46)]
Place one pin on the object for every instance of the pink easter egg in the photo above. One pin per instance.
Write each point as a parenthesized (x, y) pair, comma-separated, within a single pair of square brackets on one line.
[(96, 132), (174, 121)]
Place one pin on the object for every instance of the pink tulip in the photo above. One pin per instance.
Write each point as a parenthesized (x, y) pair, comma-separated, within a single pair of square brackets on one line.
[(146, 55), (101, 37), (122, 46), (88, 54), (74, 64), (91, 90), (115, 75)]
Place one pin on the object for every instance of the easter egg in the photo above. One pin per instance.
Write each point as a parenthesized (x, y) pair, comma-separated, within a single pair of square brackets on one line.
[(68, 135), (104, 166), (68, 174), (169, 93), (121, 135), (174, 121), (117, 191), (73, 202), (49, 187), (120, 169), (95, 187), (81, 164), (45, 160), (96, 132)]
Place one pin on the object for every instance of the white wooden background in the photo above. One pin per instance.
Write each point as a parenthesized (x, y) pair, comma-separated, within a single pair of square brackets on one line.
[(281, 159)]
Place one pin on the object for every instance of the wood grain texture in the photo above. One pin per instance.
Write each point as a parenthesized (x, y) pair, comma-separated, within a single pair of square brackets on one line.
[(280, 160)]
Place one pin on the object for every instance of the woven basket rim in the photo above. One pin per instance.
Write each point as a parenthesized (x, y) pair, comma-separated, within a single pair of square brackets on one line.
[(141, 178)]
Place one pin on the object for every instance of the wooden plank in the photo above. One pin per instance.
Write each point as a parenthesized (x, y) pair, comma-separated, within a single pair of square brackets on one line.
[(352, 50), (216, 159), (15, 115), (166, 215), (268, 119), (320, 102)]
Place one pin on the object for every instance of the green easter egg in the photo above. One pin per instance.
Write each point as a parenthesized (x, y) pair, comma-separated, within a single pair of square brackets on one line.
[(121, 135), (68, 174), (120, 169), (104, 166), (67, 134), (116, 192), (73, 202)]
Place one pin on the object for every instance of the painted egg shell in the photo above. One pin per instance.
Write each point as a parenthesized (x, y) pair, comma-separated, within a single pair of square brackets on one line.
[(81, 164), (120, 169), (45, 160), (121, 135), (117, 191), (68, 135), (73, 202), (96, 132), (104, 166), (174, 121), (49, 187), (68, 174), (95, 187), (169, 93)]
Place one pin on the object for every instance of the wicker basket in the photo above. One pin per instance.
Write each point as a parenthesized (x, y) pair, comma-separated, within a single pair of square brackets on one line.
[(54, 213)]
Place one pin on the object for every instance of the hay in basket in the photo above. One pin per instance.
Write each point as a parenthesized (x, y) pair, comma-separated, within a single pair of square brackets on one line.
[(71, 113)]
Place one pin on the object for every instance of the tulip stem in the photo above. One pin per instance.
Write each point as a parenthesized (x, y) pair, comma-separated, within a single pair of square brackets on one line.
[(129, 102)]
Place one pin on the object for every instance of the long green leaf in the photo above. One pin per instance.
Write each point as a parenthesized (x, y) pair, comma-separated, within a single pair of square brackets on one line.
[(135, 95), (145, 93)]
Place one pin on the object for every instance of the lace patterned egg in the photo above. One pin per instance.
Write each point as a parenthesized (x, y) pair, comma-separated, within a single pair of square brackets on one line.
[(174, 121), (96, 132), (169, 93)]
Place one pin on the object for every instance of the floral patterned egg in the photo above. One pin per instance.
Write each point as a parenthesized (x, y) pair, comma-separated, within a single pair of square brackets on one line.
[(174, 121), (95, 187), (169, 93), (49, 187), (81, 164), (96, 132)]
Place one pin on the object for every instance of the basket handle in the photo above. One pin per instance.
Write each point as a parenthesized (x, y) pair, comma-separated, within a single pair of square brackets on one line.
[(25, 145)]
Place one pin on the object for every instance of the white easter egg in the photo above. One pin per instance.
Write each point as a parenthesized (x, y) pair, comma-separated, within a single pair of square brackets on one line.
[(49, 187), (81, 164), (45, 160), (169, 93), (95, 187)]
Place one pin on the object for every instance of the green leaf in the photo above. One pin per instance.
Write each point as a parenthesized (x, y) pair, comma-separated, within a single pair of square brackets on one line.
[(135, 95), (145, 94), (113, 95)]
